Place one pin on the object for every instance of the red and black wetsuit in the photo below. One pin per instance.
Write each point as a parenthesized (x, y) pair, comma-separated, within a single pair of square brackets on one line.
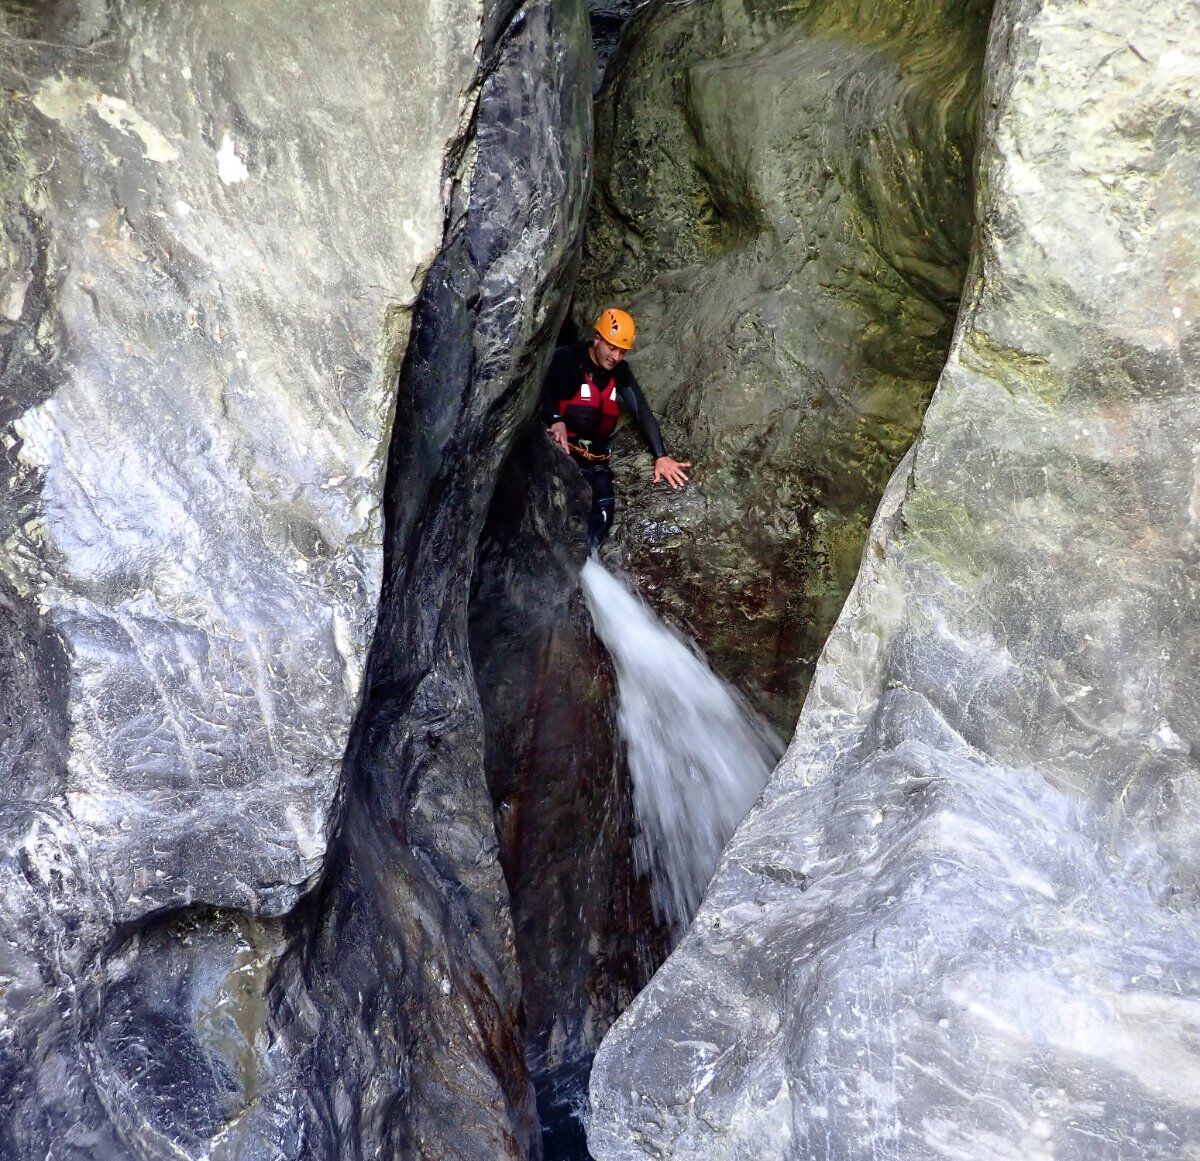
[(588, 400)]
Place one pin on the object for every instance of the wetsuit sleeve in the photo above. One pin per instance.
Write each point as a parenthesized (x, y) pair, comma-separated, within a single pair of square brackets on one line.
[(560, 384), (631, 395)]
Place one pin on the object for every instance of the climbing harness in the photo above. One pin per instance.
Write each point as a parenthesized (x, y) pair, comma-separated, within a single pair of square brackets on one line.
[(591, 457)]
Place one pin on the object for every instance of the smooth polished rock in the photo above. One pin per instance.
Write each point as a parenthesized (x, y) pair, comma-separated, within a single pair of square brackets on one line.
[(783, 200), (962, 922), (254, 905), (214, 233)]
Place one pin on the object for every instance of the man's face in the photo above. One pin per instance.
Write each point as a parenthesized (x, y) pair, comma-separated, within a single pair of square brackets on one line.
[(604, 354)]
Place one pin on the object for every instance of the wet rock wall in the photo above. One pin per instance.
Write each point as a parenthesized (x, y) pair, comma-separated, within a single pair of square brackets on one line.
[(783, 200), (585, 934), (961, 922)]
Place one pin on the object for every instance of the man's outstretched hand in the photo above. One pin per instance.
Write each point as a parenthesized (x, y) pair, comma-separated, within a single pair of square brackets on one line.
[(671, 470), (558, 433)]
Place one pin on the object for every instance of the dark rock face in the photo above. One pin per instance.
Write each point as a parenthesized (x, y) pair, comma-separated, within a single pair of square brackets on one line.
[(410, 956), (608, 19), (962, 921), (216, 221), (585, 936), (783, 199)]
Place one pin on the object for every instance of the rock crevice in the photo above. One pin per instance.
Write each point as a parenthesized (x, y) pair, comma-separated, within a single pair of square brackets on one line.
[(586, 939)]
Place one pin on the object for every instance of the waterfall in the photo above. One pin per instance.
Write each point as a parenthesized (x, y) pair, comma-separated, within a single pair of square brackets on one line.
[(698, 754)]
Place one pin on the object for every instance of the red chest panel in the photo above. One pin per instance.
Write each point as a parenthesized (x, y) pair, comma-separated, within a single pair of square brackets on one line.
[(592, 412)]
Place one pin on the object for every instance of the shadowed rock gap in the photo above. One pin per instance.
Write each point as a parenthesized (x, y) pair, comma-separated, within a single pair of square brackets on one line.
[(608, 19), (586, 939)]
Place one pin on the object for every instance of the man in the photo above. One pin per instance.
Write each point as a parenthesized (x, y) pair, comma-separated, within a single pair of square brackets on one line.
[(581, 399)]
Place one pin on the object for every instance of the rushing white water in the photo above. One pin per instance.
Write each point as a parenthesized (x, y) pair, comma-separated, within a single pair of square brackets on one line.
[(698, 754)]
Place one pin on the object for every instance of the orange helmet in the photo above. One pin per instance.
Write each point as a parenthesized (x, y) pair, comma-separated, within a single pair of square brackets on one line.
[(616, 327)]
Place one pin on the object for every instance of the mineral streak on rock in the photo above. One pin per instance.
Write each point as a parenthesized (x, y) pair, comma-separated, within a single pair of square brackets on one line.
[(962, 922), (783, 199)]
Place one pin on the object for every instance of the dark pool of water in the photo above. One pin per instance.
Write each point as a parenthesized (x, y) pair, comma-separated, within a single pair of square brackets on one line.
[(561, 1101)]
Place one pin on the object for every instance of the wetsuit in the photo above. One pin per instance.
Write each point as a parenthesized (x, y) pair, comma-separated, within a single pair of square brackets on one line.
[(587, 399)]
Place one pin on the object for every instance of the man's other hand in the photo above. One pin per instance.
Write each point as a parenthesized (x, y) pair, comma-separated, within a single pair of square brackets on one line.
[(671, 470), (558, 433)]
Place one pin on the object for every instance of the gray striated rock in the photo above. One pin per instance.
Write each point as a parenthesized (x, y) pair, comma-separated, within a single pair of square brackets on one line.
[(203, 307), (399, 1000), (783, 199), (216, 222), (53, 923), (962, 923)]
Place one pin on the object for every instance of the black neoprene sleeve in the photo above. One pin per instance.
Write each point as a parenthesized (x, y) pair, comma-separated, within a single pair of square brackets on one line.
[(631, 395), (562, 380)]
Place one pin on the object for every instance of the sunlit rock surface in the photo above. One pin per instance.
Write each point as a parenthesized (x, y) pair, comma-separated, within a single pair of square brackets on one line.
[(216, 222), (963, 922), (783, 199), (203, 303)]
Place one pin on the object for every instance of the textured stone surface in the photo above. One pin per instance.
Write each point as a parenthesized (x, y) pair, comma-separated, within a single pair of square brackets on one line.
[(53, 923), (202, 308), (962, 922), (783, 200), (585, 936), (408, 955), (216, 222)]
